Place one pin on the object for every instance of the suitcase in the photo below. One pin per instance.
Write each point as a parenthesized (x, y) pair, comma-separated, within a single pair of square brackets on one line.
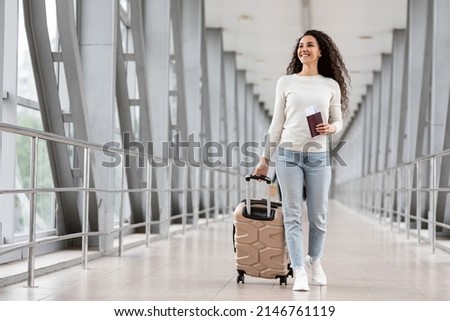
[(258, 235)]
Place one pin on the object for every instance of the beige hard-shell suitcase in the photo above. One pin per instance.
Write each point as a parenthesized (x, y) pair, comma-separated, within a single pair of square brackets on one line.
[(258, 235)]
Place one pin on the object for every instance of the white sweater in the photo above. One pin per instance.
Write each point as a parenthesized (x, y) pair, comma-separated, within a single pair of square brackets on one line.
[(289, 126)]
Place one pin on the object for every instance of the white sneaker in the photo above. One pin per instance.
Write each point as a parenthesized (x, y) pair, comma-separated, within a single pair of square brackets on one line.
[(318, 276), (301, 280)]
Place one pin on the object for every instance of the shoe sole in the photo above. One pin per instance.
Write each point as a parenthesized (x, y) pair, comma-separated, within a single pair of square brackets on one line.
[(300, 290), (318, 283)]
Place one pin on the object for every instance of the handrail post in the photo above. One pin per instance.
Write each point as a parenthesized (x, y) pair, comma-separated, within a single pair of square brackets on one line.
[(378, 195), (418, 200), (32, 227), (433, 194), (218, 192), (185, 197), (122, 204), (364, 192), (371, 195), (390, 193), (149, 203), (165, 224), (198, 191), (86, 178), (207, 192), (396, 199), (409, 168)]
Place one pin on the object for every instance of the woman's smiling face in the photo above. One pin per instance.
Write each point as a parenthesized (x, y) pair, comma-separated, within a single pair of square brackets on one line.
[(308, 50)]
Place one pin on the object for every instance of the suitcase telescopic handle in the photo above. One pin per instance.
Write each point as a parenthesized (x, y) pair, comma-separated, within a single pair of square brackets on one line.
[(259, 178)]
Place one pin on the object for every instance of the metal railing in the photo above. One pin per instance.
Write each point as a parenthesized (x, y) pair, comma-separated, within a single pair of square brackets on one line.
[(228, 192), (404, 196)]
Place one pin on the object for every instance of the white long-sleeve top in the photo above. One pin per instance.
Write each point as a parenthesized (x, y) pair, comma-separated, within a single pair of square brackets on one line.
[(289, 126)]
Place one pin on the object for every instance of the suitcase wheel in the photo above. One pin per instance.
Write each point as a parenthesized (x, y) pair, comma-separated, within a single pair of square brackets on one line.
[(291, 271), (283, 280), (240, 277)]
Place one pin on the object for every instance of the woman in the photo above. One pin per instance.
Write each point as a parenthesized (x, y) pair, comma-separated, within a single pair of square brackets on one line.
[(315, 80)]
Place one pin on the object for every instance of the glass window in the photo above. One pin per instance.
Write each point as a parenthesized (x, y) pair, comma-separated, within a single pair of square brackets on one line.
[(125, 4), (45, 202), (52, 25), (26, 86)]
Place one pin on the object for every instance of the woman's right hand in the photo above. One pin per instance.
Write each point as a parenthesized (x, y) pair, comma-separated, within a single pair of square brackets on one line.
[(262, 168)]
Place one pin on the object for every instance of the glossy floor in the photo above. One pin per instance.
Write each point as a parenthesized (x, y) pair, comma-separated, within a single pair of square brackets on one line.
[(364, 260)]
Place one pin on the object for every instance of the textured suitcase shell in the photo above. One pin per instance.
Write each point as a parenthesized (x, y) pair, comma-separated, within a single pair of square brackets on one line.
[(260, 244)]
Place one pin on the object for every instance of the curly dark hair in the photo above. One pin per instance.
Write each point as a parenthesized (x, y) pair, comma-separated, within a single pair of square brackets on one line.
[(330, 63)]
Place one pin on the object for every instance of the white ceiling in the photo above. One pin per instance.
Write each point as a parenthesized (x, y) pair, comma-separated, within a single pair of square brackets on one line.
[(263, 33)]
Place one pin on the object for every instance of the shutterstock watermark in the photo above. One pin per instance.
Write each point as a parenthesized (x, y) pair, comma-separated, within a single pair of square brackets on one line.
[(191, 152)]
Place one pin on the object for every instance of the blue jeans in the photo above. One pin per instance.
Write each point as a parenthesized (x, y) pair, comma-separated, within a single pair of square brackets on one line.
[(295, 169)]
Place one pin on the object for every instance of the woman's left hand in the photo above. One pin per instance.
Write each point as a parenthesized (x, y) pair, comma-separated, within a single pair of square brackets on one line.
[(326, 129)]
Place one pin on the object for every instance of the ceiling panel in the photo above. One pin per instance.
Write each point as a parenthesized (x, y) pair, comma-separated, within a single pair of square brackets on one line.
[(263, 33)]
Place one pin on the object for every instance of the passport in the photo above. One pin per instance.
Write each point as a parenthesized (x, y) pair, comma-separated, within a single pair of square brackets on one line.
[(314, 117)]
